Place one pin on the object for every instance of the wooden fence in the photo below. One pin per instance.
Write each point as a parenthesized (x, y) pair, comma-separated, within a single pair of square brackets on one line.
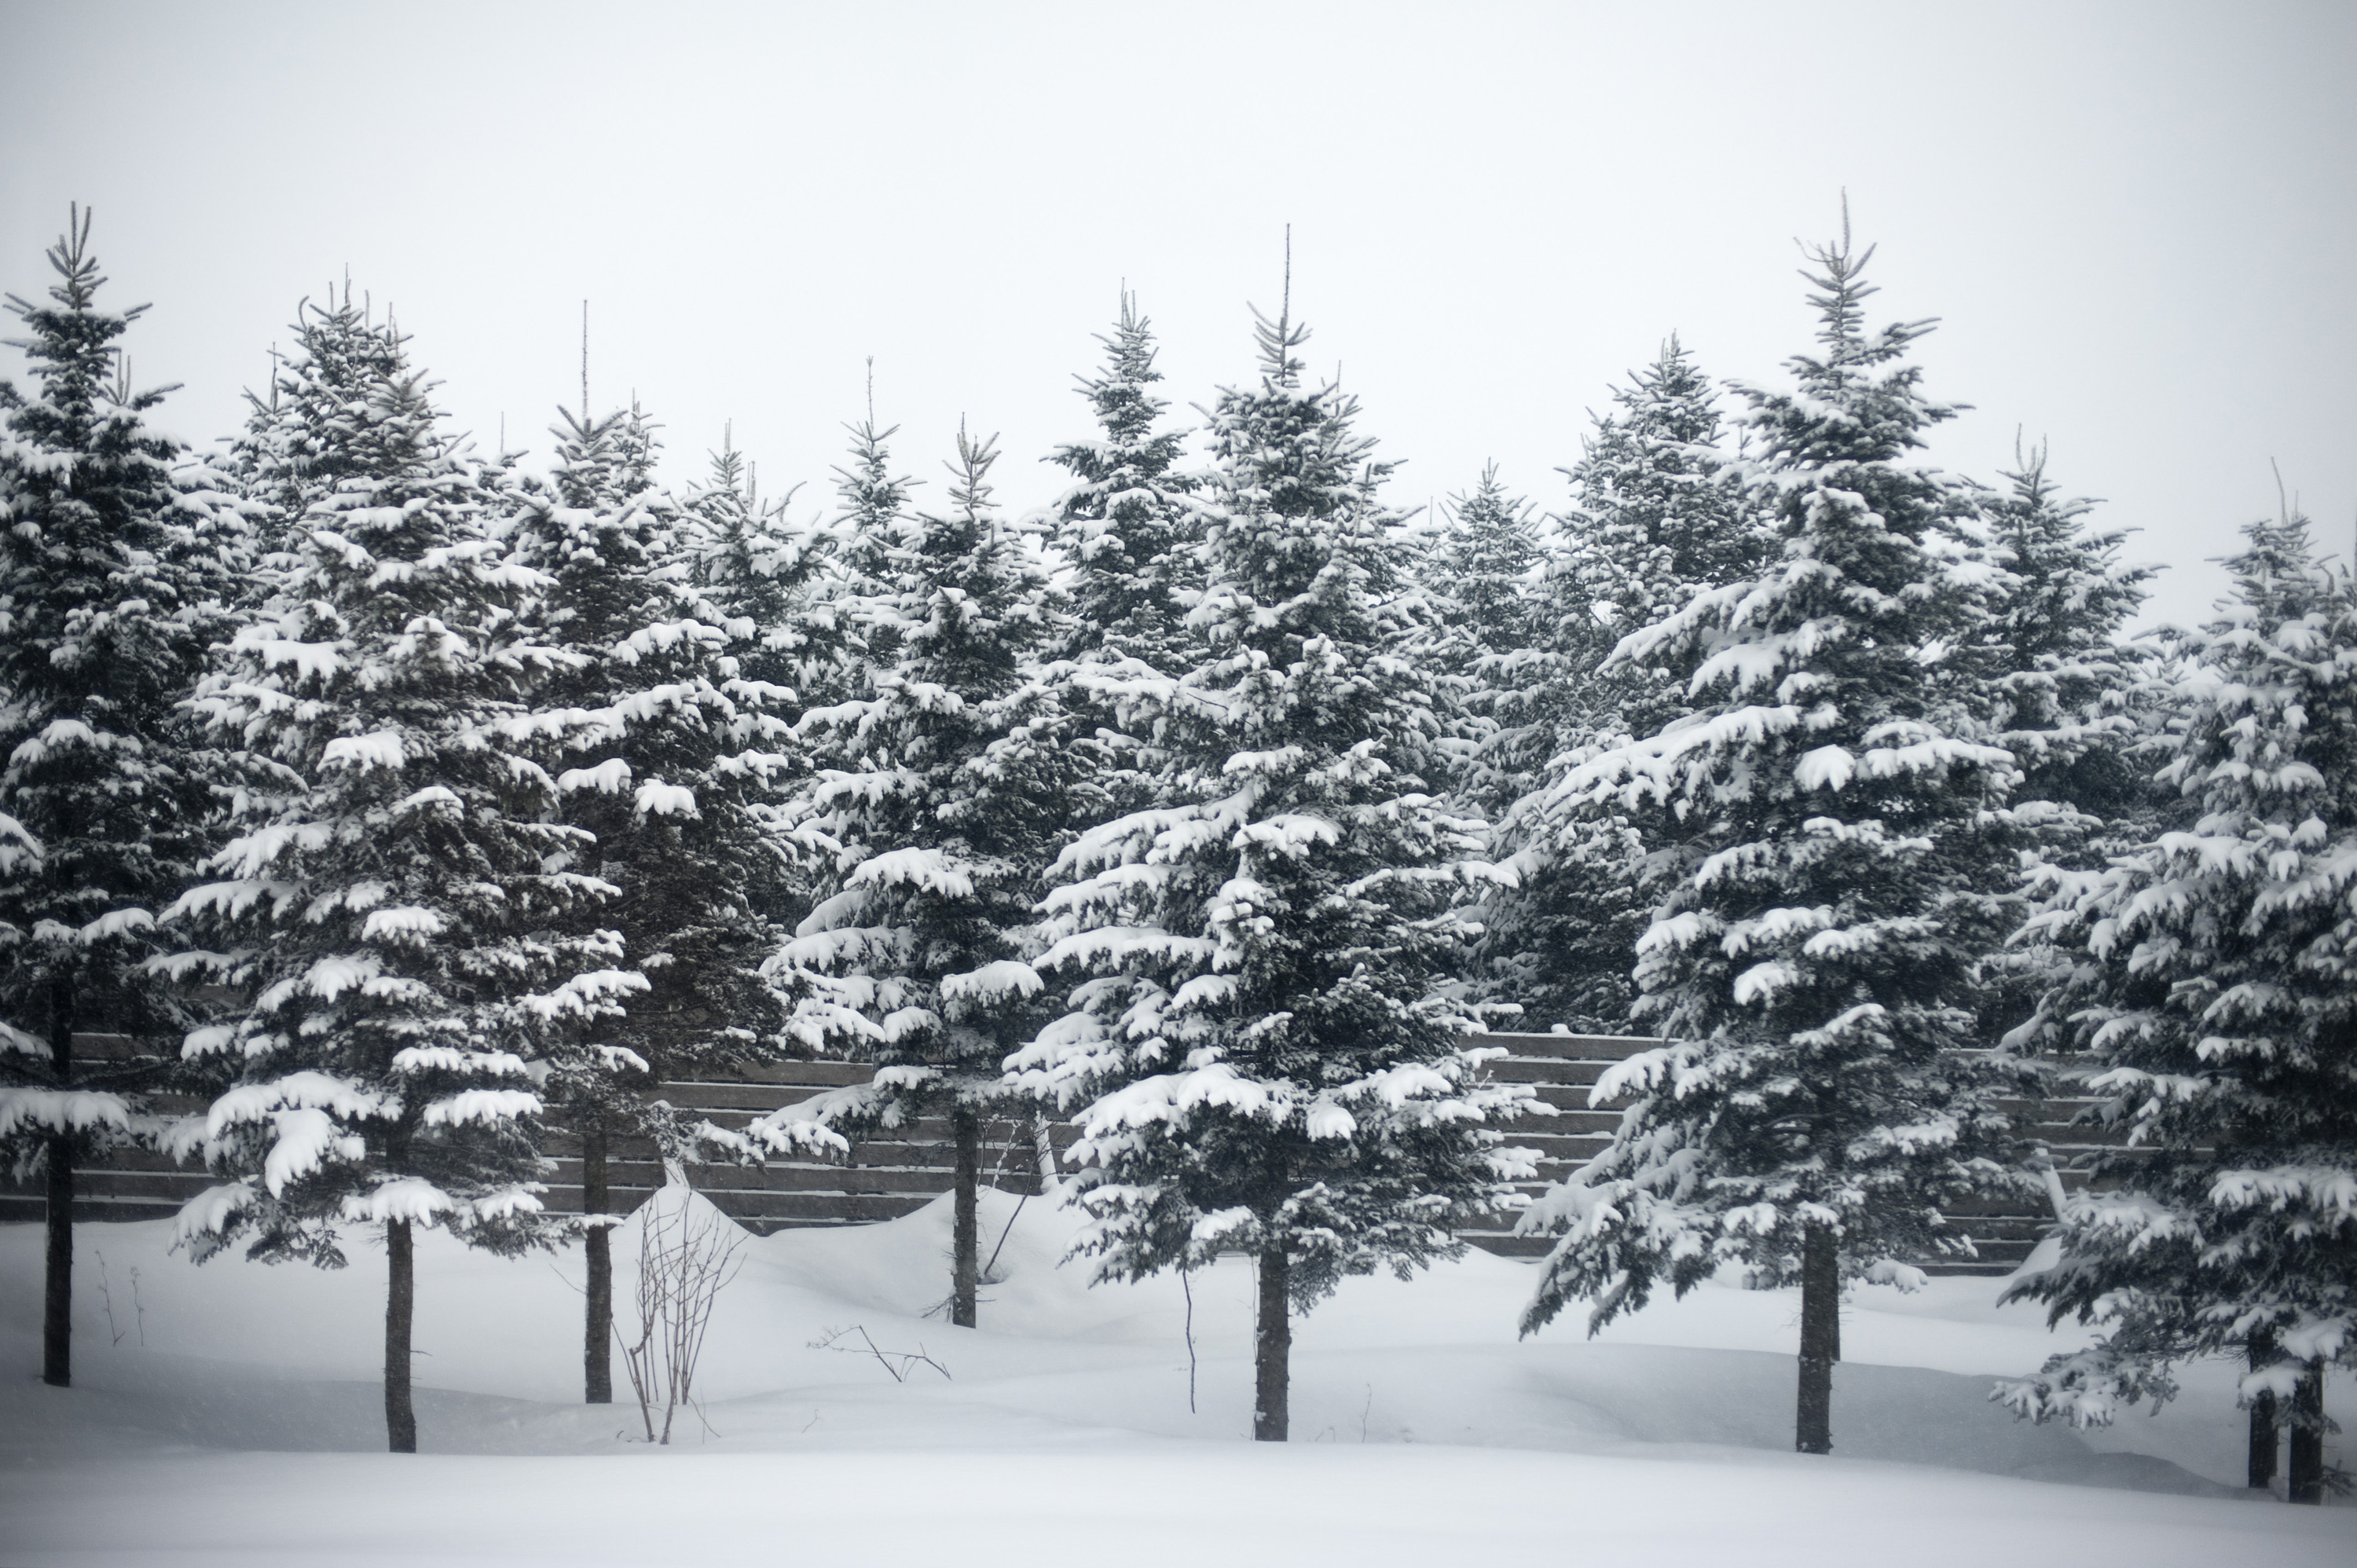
[(892, 1176)]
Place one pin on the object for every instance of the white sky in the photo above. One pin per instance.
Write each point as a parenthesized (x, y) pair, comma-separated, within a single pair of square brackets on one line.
[(2138, 221)]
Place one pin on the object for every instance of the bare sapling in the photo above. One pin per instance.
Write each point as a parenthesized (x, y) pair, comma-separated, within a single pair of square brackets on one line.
[(684, 1260)]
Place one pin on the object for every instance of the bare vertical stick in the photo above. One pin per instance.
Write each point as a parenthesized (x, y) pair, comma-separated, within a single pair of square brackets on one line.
[(1285, 302), (1186, 1284)]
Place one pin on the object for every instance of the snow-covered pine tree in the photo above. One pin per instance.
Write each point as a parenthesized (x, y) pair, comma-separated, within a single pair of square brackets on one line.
[(2064, 607), (671, 755), (762, 577), (1479, 561), (396, 910), (2072, 700), (2211, 985), (293, 452), (112, 569), (931, 821), (1823, 833), (1127, 525), (1484, 557), (1653, 523), (1263, 1038), (864, 537), (1129, 536)]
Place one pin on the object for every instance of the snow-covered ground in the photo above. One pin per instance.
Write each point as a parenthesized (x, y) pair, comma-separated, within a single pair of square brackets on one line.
[(248, 1426)]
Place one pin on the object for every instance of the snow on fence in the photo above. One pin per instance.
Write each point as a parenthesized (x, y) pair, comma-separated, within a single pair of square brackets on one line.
[(893, 1175)]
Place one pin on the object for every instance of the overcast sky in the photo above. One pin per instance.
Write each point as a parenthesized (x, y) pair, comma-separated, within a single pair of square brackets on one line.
[(2137, 222)]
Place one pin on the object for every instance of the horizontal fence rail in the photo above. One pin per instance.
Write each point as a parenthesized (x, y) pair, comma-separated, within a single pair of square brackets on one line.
[(897, 1173)]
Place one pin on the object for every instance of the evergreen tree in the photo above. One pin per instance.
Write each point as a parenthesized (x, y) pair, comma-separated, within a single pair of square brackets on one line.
[(294, 452), (2072, 701), (2211, 982), (1127, 524), (399, 917), (1823, 833), (1130, 536), (677, 751), (2066, 604), (865, 538), (1653, 525), (1263, 1036), (931, 817), (1483, 561), (112, 566), (762, 578)]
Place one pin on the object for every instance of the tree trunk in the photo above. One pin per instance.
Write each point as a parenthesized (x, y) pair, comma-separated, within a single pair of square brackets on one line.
[(1273, 1347), (1820, 1340), (598, 1247), (966, 1235), (57, 1294), (400, 1310), (2263, 1435), (2305, 1472), (1043, 1144)]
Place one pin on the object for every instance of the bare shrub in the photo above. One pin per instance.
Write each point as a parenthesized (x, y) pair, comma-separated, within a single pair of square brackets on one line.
[(685, 1260)]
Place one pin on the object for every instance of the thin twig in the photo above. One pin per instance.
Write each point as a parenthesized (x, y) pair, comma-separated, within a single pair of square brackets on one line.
[(908, 1360), (1011, 1219), (1186, 1284)]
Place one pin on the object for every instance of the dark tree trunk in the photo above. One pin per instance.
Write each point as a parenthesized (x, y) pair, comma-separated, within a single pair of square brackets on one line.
[(2305, 1474), (1273, 1348), (598, 1247), (965, 1238), (400, 1310), (2265, 1439), (1820, 1340), (57, 1292)]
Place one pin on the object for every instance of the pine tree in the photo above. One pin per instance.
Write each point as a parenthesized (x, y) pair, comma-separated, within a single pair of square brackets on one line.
[(1823, 833), (1485, 555), (763, 578), (2072, 699), (1653, 524), (1263, 1036), (2211, 986), (1127, 524), (932, 816), (676, 753), (401, 918), (294, 453), (113, 567), (1129, 536)]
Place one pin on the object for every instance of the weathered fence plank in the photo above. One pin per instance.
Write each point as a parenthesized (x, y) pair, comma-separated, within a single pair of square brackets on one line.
[(899, 1171)]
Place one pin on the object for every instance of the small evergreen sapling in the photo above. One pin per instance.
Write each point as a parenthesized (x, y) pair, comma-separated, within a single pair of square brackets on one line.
[(1263, 1039), (1823, 832), (114, 560)]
